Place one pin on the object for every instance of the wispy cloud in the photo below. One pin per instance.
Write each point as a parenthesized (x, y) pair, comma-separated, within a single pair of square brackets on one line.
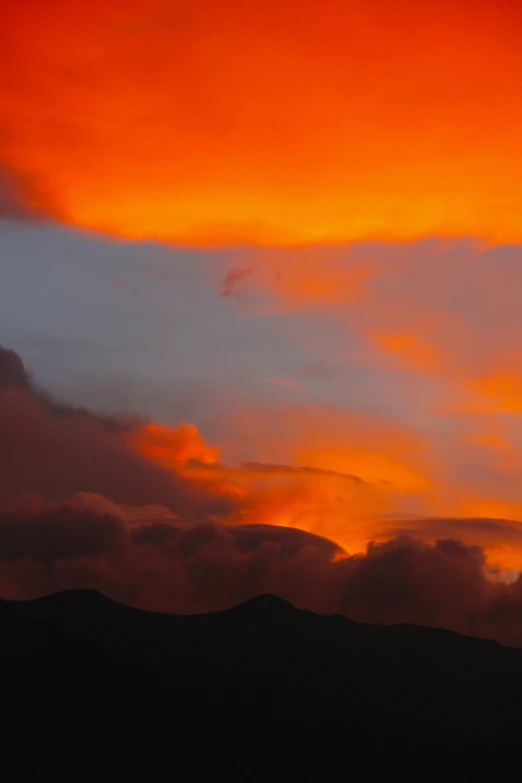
[(286, 383)]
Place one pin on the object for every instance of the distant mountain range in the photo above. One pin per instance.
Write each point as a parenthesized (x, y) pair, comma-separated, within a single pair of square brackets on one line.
[(80, 656)]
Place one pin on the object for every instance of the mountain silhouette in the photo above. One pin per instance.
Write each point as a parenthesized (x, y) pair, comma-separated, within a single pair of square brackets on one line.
[(79, 653)]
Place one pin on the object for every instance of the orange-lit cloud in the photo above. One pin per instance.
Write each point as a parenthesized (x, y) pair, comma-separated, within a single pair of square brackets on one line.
[(447, 311), (409, 348), (498, 393), (225, 121), (286, 383), (297, 278), (172, 447), (371, 481), (160, 518)]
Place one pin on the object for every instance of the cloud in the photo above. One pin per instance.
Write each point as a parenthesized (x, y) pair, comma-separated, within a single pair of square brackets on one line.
[(500, 538), (154, 517), (302, 279), (170, 446), (134, 140), (425, 334), (407, 347), (231, 281), (320, 499), (46, 534), (317, 468), (12, 371), (278, 470), (286, 383), (181, 565), (55, 450)]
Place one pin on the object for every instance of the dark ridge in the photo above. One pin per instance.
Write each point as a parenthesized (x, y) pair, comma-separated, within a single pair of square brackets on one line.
[(263, 604), (86, 656)]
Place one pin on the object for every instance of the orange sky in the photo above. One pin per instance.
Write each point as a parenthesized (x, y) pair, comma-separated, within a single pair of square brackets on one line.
[(267, 122)]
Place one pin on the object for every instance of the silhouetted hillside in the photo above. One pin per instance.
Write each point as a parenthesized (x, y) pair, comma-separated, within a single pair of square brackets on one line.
[(81, 654)]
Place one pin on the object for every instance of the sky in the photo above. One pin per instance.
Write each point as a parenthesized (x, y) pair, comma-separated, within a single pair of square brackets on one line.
[(269, 258)]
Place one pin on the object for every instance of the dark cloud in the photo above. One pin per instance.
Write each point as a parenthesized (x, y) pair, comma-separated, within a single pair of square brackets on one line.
[(232, 280), (54, 451), (12, 371), (407, 581), (46, 534), (505, 530), (183, 565), (495, 535), (301, 470)]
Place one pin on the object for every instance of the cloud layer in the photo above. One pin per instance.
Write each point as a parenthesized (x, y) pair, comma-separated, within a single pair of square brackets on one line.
[(175, 565), (150, 516), (229, 122)]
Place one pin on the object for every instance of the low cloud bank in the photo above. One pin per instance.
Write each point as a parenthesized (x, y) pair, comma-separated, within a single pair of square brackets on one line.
[(79, 507)]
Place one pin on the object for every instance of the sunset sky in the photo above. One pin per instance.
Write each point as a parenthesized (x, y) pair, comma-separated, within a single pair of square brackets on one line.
[(288, 236)]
